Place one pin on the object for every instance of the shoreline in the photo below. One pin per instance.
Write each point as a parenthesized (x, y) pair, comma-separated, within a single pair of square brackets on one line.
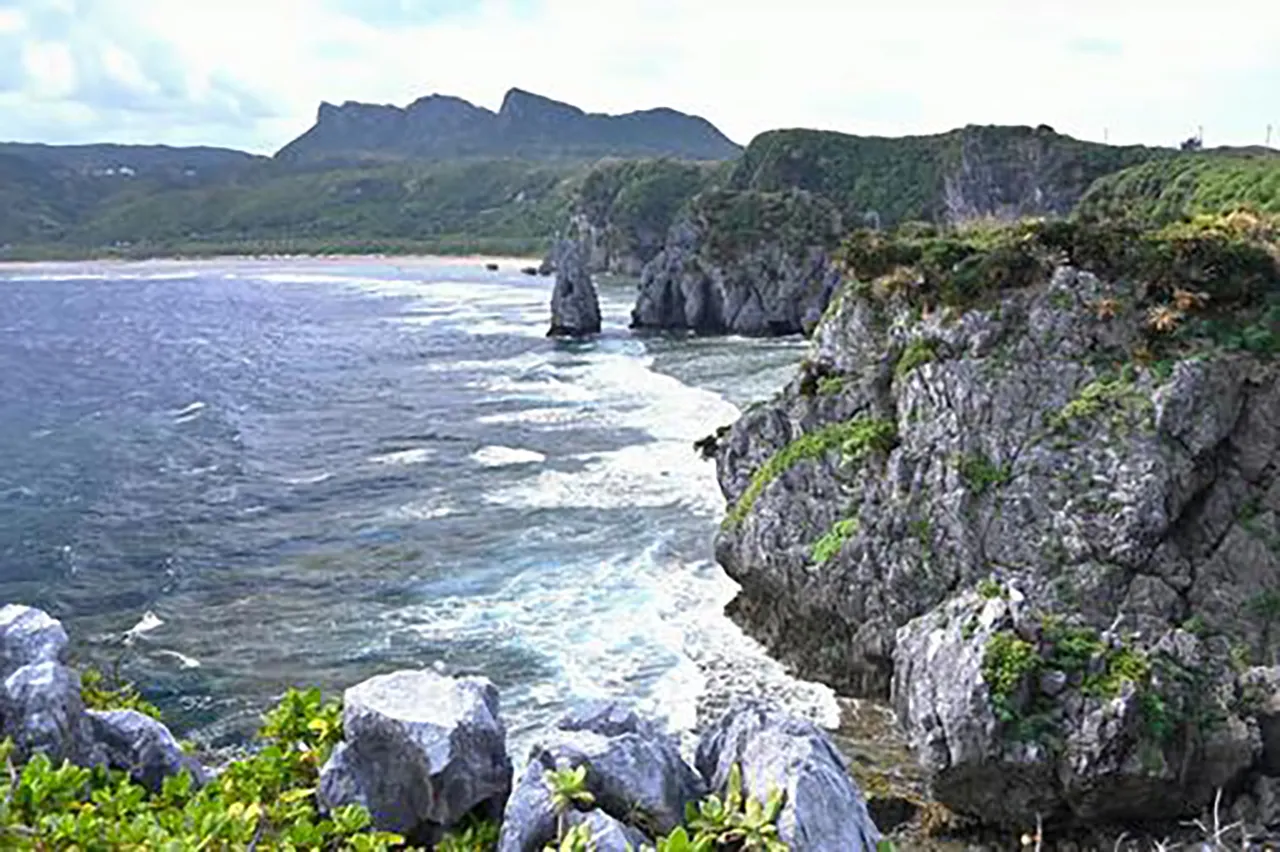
[(413, 257)]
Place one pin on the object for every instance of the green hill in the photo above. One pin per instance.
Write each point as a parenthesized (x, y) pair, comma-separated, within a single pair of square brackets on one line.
[(967, 173), (1165, 190)]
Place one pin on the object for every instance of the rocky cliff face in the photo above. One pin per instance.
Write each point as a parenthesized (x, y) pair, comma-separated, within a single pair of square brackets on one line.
[(743, 263), (1037, 505), (973, 173), (527, 125)]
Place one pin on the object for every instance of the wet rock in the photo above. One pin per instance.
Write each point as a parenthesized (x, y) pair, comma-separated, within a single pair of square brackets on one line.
[(135, 743), (575, 307), (823, 807), (420, 751), (634, 771)]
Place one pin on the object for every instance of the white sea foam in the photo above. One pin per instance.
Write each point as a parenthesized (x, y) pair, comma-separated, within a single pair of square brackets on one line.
[(424, 510), (503, 456), (190, 411), (312, 479), (417, 455)]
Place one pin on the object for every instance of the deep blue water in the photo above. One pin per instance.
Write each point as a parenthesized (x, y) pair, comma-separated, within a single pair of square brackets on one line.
[(315, 471)]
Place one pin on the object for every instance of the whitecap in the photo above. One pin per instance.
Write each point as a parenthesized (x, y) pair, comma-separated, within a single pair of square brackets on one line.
[(314, 479), (418, 455), (182, 659), (497, 456), (191, 412), (427, 510)]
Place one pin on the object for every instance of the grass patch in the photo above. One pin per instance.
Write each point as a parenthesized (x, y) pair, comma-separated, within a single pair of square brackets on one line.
[(917, 352), (828, 547), (855, 439)]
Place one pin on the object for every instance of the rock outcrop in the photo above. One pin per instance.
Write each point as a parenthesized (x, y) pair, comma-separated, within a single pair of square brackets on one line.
[(743, 263), (822, 808), (41, 708), (135, 743), (1037, 505), (634, 772), (575, 306), (420, 751)]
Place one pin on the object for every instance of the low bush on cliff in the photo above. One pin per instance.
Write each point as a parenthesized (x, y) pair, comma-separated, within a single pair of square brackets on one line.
[(737, 223), (1211, 278), (1171, 189)]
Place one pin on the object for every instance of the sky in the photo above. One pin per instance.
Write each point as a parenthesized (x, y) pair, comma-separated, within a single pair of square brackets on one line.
[(250, 74)]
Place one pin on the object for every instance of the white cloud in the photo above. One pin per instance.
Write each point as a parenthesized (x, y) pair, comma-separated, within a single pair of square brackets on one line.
[(12, 21), (1141, 69), (50, 66)]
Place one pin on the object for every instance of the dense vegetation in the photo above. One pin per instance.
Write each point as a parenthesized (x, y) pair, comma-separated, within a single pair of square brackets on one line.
[(636, 201), (891, 180), (446, 206), (1166, 190)]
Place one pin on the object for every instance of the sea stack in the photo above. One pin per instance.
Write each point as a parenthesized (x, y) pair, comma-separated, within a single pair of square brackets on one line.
[(575, 308)]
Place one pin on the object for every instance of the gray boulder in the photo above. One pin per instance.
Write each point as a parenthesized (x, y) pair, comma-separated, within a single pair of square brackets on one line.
[(634, 770), (420, 751), (823, 807), (41, 709), (575, 307), (28, 635), (772, 275), (137, 744)]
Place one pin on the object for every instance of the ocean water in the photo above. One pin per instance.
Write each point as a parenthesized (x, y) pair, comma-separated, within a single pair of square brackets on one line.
[(316, 471)]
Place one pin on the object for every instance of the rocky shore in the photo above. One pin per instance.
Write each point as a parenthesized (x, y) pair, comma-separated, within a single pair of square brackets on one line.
[(425, 755)]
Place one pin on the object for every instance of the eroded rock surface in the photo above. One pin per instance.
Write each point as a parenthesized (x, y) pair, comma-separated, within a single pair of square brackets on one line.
[(420, 751), (1023, 468)]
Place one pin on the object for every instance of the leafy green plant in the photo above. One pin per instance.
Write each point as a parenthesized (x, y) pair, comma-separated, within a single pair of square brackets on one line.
[(568, 787), (102, 693), (576, 839), (473, 836), (738, 821), (830, 385), (265, 801), (981, 474)]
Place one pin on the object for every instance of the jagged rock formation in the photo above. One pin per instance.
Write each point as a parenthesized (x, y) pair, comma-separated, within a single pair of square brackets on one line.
[(420, 751), (632, 767), (774, 751), (1042, 503), (575, 306), (528, 126), (743, 263)]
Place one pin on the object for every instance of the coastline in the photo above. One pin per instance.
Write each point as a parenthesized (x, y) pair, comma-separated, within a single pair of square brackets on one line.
[(166, 260)]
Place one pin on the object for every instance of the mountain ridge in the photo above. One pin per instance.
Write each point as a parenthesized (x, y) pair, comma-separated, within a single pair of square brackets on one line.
[(526, 126)]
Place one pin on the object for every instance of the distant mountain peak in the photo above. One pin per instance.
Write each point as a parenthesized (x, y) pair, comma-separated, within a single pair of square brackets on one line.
[(528, 125)]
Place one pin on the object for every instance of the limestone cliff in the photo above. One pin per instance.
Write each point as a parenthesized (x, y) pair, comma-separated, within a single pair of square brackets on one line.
[(744, 263), (1028, 482), (974, 173)]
